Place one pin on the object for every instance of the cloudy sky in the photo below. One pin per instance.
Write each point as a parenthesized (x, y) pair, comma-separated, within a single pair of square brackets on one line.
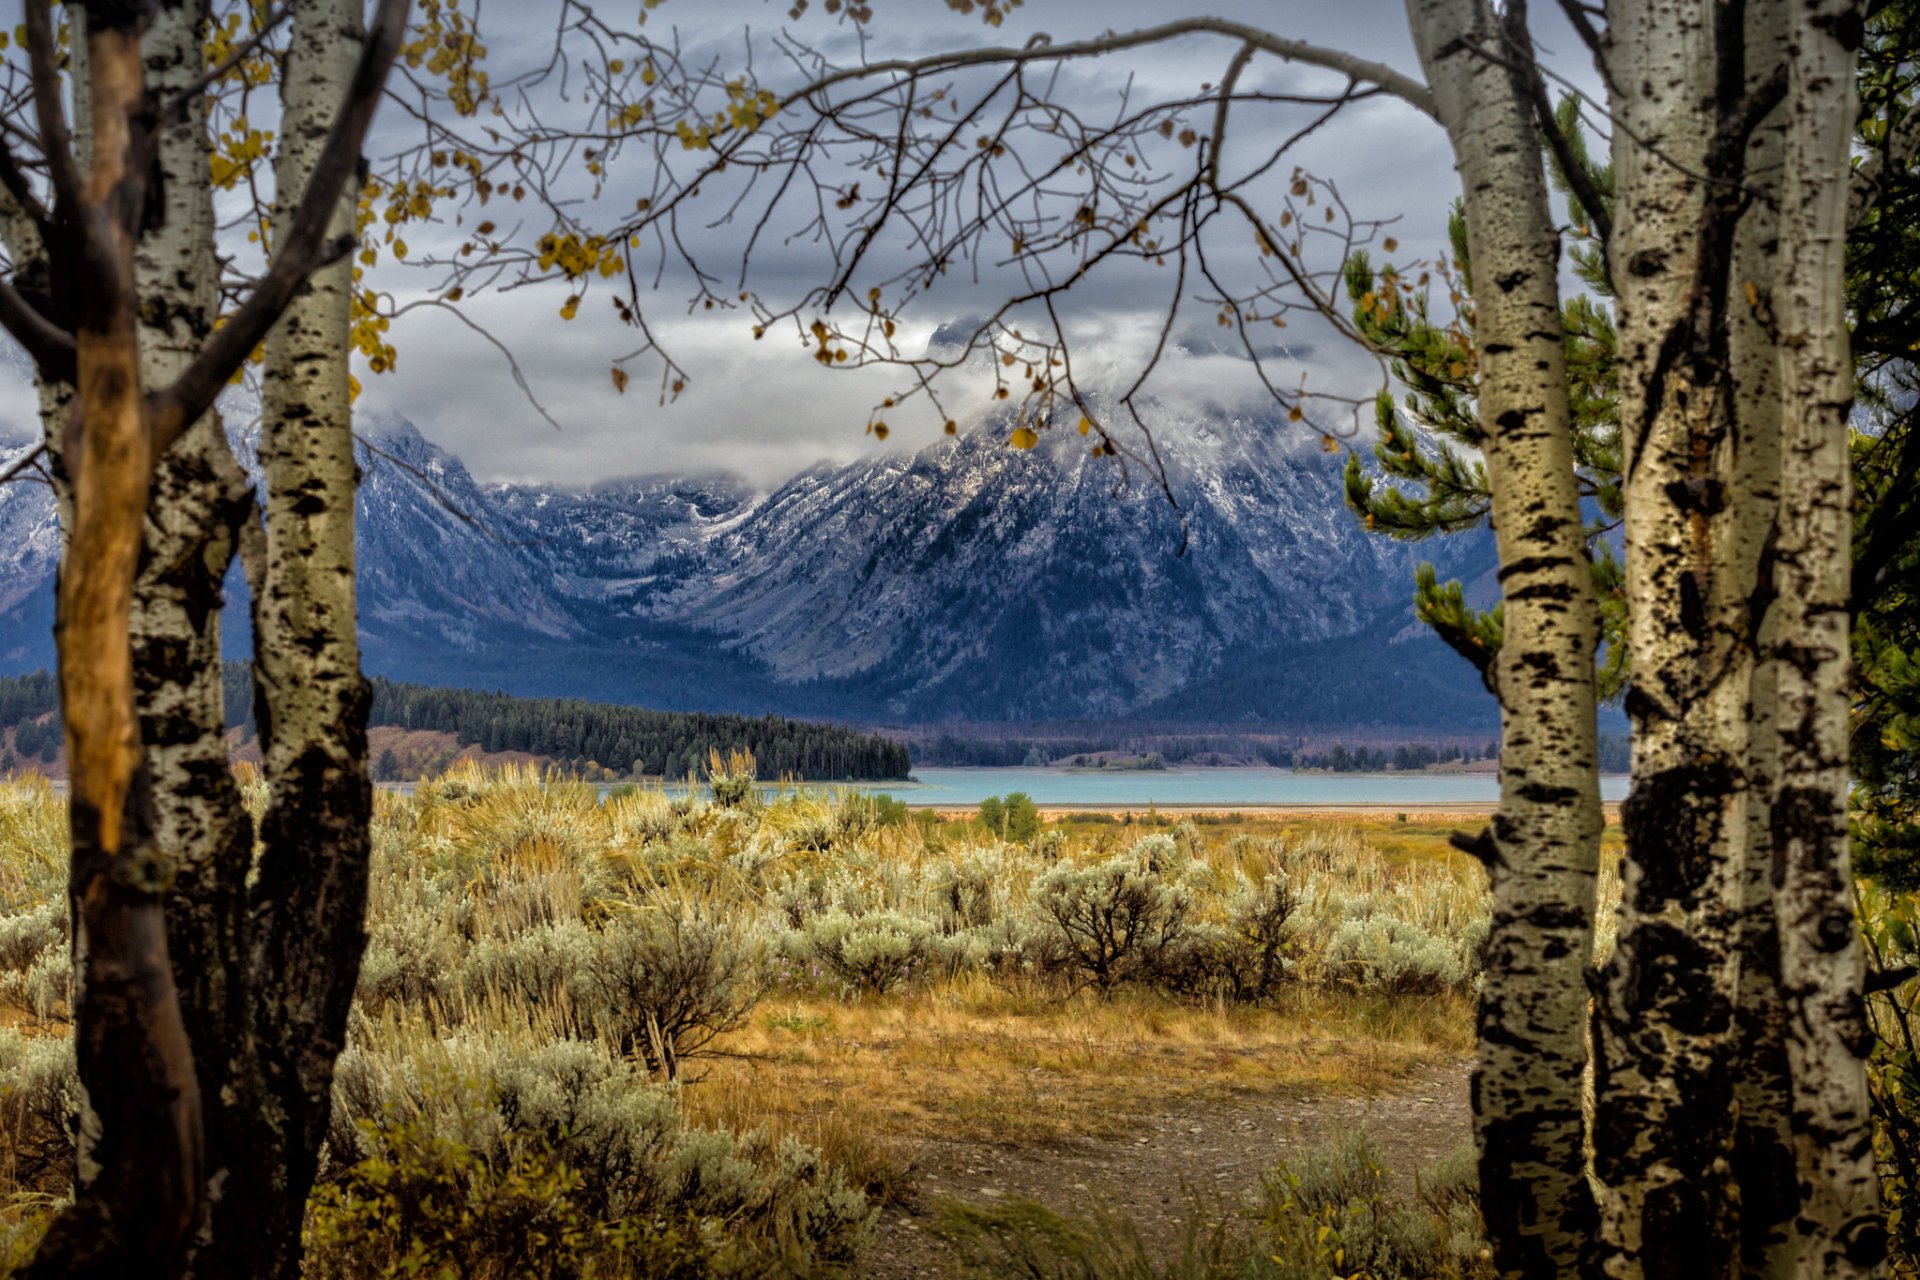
[(763, 409)]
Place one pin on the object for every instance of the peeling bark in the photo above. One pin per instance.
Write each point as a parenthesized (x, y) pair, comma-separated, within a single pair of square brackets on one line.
[(1545, 836)]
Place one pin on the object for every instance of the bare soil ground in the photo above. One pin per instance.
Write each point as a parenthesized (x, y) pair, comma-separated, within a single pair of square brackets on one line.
[(1210, 1149)]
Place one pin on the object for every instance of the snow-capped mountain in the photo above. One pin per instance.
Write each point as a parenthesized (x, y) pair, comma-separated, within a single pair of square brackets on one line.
[(968, 581)]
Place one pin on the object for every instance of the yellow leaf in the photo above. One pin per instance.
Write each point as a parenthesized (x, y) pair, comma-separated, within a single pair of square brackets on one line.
[(619, 379), (1024, 438), (879, 431), (571, 308), (1086, 425)]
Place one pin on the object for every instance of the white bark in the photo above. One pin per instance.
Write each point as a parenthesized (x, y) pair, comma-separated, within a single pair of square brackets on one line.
[(1545, 836), (309, 897), (200, 500), (1665, 1123), (1841, 1229), (1763, 1144)]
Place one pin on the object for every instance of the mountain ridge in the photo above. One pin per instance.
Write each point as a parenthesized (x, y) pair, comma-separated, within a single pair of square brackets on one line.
[(967, 581)]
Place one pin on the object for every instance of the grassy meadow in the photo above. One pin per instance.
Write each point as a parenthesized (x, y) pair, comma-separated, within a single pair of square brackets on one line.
[(694, 1036)]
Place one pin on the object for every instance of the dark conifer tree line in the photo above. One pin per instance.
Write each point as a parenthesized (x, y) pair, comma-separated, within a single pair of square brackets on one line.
[(570, 730)]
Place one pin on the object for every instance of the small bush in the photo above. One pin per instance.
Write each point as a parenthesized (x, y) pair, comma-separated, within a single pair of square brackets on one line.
[(1112, 922), (874, 952), (664, 979), (1246, 958), (39, 1109), (486, 1156), (1387, 954), (731, 779)]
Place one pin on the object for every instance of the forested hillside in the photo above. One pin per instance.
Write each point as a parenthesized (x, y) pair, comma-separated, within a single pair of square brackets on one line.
[(570, 731)]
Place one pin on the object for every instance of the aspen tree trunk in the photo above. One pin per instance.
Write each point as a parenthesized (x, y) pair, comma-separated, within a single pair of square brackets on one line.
[(138, 1190), (1664, 1117), (1841, 1229), (1762, 1091), (1542, 850), (311, 700), (199, 503)]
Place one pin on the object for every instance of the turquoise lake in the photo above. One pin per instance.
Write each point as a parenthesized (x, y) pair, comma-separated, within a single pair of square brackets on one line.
[(1213, 787)]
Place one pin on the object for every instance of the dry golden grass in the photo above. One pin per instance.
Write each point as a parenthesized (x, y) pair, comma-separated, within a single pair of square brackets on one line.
[(871, 1081)]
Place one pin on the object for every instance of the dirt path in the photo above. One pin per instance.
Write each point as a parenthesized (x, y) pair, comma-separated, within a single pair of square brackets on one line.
[(1195, 1147)]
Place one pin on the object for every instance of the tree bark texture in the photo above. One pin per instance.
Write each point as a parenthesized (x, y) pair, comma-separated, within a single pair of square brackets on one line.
[(1664, 1123), (138, 1191), (1762, 1091), (199, 502), (1839, 1224), (1544, 842), (312, 700)]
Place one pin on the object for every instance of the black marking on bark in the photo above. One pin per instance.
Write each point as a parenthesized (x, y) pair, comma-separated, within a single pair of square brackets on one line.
[(1512, 280), (1647, 262), (1560, 591), (1542, 793), (1693, 607), (1483, 848), (1673, 819), (1706, 495), (1533, 564)]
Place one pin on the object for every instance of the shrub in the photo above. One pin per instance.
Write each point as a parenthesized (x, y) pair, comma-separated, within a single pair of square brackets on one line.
[(874, 952), (484, 1156), (1388, 954), (1112, 921), (410, 959), (39, 1108), (731, 778), (664, 979), (1248, 957), (540, 966)]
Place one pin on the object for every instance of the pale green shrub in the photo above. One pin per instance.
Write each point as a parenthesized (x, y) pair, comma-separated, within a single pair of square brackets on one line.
[(411, 959), (540, 965), (874, 952), (478, 1144), (1384, 953), (39, 1108)]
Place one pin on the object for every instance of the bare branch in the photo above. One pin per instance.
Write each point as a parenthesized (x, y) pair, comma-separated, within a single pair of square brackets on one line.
[(1404, 87), (27, 461), (50, 346), (56, 142)]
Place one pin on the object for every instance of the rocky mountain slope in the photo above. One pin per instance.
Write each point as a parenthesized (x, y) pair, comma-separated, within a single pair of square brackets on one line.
[(968, 581)]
